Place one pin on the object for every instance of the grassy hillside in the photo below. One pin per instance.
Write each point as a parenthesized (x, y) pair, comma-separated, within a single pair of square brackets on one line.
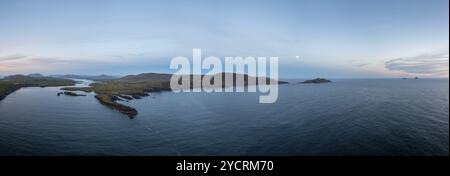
[(6, 89), (28, 81)]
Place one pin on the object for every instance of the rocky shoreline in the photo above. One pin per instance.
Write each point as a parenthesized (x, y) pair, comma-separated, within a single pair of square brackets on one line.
[(8, 90), (110, 101), (73, 94)]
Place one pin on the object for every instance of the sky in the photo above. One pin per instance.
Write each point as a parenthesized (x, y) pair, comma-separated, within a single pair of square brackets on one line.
[(332, 38)]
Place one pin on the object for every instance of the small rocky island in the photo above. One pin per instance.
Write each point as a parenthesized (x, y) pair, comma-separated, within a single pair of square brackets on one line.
[(67, 93), (316, 81)]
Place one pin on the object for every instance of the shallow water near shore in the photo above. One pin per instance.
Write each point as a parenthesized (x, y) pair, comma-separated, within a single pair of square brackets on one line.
[(346, 117)]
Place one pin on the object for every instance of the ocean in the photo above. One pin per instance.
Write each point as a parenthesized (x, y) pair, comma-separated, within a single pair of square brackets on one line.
[(346, 117)]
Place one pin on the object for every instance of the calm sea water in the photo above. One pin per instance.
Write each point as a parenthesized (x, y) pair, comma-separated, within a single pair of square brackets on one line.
[(346, 117)]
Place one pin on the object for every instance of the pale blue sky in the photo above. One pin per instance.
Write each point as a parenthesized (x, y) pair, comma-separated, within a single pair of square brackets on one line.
[(334, 38)]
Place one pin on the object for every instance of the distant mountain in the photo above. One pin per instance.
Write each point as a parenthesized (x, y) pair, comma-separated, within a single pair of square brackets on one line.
[(145, 77), (35, 75), (17, 77), (34, 80), (102, 77)]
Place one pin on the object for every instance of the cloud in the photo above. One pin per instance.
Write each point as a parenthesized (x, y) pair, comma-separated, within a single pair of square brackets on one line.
[(362, 65), (47, 61), (432, 64), (13, 57), (21, 64), (357, 62)]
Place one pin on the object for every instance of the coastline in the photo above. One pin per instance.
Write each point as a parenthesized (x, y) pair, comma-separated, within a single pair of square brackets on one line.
[(6, 90), (13, 83)]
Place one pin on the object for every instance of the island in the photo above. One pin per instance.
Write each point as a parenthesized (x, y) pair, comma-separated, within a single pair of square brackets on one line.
[(316, 81), (73, 94)]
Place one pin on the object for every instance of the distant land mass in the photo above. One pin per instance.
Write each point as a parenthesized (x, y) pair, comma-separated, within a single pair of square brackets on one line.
[(35, 75), (90, 77)]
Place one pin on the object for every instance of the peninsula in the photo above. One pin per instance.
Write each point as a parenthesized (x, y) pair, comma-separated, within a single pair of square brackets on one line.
[(9, 84), (109, 92)]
